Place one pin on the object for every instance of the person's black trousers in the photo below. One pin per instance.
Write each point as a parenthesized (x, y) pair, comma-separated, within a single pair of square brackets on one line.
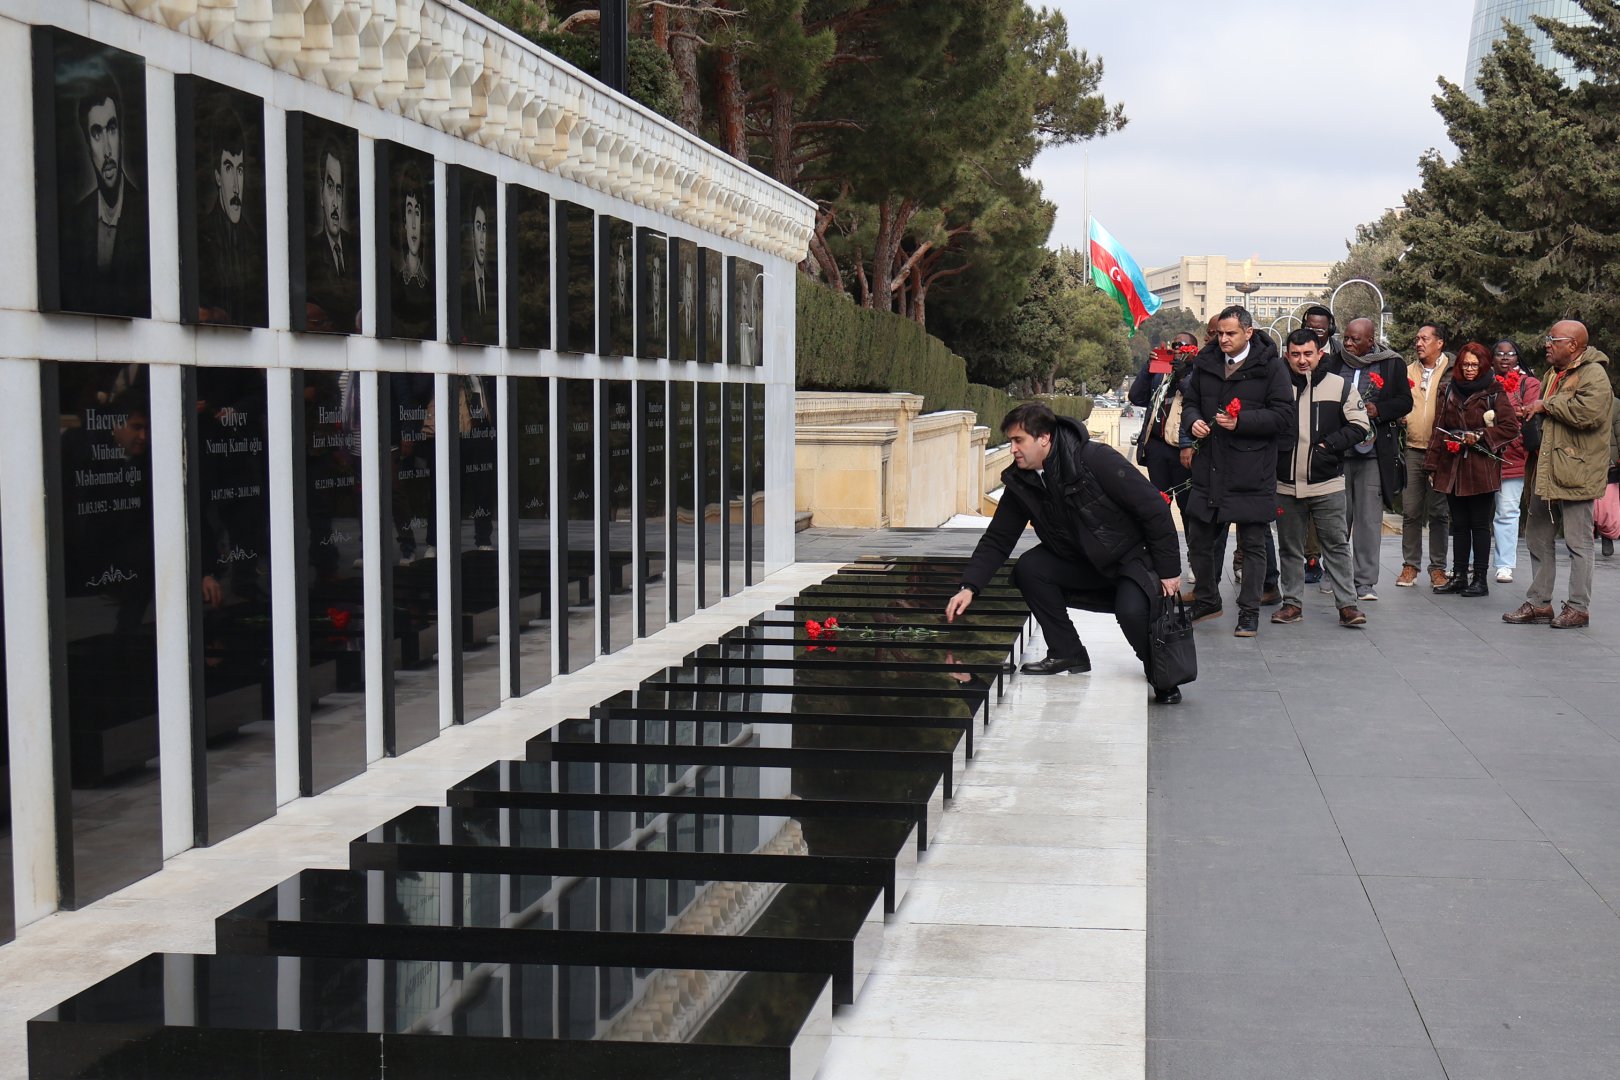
[(1206, 549), (1044, 578), (1471, 520)]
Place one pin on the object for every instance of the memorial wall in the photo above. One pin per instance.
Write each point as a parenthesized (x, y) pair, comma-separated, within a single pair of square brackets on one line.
[(361, 366)]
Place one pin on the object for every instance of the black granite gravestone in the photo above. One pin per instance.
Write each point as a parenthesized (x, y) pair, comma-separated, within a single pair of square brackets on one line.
[(712, 331), (686, 291), (653, 511), (410, 570), (617, 287), (616, 527), (407, 243), (711, 494), (685, 509), (574, 277), (577, 498), (652, 294), (528, 534), (528, 268), (477, 584), (98, 454), (228, 497), (473, 278)]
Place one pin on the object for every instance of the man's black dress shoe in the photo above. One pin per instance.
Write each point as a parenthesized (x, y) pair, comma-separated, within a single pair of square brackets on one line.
[(1054, 665), (1171, 696)]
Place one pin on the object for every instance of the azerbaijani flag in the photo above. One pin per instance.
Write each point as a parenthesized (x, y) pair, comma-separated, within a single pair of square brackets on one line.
[(1116, 273)]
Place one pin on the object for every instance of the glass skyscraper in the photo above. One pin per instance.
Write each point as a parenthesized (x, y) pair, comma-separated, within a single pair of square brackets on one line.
[(1487, 30)]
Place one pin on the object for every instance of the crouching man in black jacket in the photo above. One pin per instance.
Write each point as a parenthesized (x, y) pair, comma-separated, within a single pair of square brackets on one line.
[(1108, 542)]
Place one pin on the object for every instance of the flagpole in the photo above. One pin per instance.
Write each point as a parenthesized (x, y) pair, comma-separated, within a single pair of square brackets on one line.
[(1085, 188)]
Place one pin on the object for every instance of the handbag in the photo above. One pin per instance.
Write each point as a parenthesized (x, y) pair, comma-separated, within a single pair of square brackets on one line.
[(1172, 655), (1530, 432)]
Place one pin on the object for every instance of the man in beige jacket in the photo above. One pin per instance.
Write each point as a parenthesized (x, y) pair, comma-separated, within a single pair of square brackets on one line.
[(1421, 505), (1572, 470)]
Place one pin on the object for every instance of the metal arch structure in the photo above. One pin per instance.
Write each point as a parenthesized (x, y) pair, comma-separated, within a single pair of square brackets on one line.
[(1278, 335), (1382, 312)]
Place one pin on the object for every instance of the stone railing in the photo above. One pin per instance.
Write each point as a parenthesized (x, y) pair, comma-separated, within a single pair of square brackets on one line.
[(445, 65), (871, 461)]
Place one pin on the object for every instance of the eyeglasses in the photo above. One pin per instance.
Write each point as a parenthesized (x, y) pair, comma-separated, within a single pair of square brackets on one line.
[(1550, 340), (1506, 354)]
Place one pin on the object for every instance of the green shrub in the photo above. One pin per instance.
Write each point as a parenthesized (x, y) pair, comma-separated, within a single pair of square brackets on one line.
[(845, 347)]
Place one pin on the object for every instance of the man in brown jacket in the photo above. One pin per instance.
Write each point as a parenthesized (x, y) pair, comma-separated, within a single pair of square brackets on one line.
[(1571, 471), (1421, 505)]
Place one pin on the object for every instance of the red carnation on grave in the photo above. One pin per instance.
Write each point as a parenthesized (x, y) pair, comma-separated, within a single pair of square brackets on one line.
[(1376, 379), (1454, 446), (831, 623), (1234, 407), (812, 628), (832, 648), (811, 648)]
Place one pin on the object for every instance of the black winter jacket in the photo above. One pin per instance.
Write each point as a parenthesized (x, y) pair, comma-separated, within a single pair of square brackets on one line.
[(1393, 401), (1234, 473), (1094, 504)]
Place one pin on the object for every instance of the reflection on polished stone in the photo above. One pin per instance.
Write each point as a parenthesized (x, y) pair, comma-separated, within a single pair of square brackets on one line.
[(261, 1017), (735, 847), (497, 918)]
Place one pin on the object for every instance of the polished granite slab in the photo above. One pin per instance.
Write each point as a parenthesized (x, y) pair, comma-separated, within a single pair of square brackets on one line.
[(246, 1017), (587, 921), (917, 798), (736, 847), (814, 659), (764, 704), (794, 743)]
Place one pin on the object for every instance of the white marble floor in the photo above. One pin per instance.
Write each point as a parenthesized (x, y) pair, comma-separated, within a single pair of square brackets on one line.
[(1020, 950)]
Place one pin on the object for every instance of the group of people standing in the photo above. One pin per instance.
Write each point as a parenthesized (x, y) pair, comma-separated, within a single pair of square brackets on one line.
[(1324, 435)]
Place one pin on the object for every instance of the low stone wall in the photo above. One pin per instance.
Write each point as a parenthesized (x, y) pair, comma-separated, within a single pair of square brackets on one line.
[(873, 461)]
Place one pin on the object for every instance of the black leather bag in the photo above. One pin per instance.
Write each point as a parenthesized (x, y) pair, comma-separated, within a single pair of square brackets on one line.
[(1530, 432), (1173, 657)]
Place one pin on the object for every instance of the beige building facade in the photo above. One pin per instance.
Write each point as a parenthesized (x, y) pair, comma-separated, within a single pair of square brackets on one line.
[(1204, 284)]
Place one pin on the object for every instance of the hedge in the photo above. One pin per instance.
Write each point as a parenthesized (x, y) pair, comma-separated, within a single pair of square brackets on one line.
[(842, 346)]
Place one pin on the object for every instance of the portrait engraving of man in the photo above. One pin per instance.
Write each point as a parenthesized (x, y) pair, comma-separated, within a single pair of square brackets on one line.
[(652, 294), (332, 253), (686, 301), (413, 307), (230, 264), (713, 300), (95, 177), (479, 257)]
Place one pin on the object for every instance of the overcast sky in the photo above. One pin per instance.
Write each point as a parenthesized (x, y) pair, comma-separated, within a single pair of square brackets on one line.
[(1268, 129)]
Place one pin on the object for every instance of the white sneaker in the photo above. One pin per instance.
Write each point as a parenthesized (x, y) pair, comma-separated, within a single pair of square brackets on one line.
[(1368, 594), (1504, 574)]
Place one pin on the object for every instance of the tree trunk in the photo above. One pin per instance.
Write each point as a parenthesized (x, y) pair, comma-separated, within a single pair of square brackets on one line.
[(919, 296), (728, 76), (782, 163), (823, 256), (892, 223), (660, 26), (683, 55)]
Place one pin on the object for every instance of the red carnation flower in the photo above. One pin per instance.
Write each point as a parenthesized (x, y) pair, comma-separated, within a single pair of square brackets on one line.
[(1412, 383), (1234, 407), (1376, 379), (1511, 381), (338, 617), (832, 648), (1454, 446), (812, 628), (831, 623), (1165, 495), (811, 648)]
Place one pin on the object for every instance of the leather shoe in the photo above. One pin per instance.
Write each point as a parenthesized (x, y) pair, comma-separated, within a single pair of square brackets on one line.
[(1288, 613), (1442, 584), (1527, 613), (1204, 609), (1408, 576), (1571, 618), (1171, 696), (1271, 596), (1055, 665), (1352, 616)]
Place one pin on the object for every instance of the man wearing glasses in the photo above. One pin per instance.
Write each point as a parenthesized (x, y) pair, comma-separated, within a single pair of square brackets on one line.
[(1571, 471)]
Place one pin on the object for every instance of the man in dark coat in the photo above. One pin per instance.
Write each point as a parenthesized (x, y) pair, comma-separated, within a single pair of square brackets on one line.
[(1237, 402), (106, 268), (1373, 470), (1108, 542)]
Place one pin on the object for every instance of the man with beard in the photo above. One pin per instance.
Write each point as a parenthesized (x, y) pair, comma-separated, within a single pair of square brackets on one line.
[(105, 265), (332, 259), (1236, 403), (229, 259), (1373, 471)]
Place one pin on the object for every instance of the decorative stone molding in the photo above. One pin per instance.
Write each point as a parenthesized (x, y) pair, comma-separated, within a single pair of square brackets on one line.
[(444, 65)]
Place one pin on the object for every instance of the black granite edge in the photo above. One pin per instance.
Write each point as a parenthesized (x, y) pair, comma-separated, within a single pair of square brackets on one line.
[(802, 869), (920, 667), (541, 749), (977, 619), (971, 622), (156, 1052), (925, 692), (833, 592), (913, 811), (833, 956), (932, 643), (964, 724)]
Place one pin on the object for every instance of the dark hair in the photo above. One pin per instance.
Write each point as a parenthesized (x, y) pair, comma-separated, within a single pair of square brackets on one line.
[(1512, 344), (1238, 312), (1441, 331), (410, 186), (1036, 419), (229, 137), (1303, 336), (1318, 309), (103, 87), (328, 148)]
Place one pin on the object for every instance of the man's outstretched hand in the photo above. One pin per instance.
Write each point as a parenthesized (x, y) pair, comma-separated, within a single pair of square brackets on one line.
[(958, 603)]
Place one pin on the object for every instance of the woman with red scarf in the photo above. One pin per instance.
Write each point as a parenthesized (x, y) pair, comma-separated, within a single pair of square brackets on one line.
[(1474, 422)]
